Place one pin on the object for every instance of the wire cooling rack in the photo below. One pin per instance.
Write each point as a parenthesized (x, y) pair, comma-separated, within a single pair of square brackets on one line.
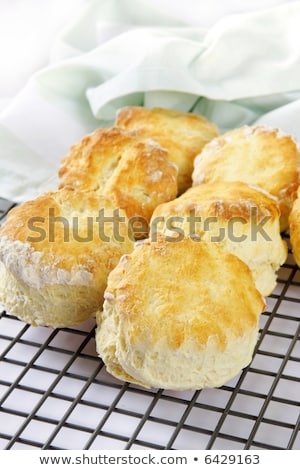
[(55, 392)]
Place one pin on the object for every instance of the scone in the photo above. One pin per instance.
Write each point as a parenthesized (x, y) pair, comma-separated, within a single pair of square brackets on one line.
[(294, 221), (260, 155), (56, 252), (243, 219), (135, 173), (178, 316), (182, 134)]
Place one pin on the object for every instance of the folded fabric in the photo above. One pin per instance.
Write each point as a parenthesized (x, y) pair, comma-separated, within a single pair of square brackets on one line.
[(244, 69)]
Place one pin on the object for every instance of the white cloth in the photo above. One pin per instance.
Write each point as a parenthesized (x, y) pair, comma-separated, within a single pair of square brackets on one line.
[(235, 69)]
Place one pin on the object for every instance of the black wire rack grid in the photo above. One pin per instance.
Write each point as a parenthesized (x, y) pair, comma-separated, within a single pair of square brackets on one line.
[(55, 392)]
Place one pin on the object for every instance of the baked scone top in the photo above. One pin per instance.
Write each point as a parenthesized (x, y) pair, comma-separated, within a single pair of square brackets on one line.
[(182, 292), (58, 238), (224, 200), (133, 171), (182, 134), (260, 155), (91, 162)]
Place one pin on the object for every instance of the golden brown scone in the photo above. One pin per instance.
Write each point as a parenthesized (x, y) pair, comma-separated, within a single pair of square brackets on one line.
[(260, 155), (243, 219), (178, 316), (294, 221), (182, 134), (55, 256), (134, 172)]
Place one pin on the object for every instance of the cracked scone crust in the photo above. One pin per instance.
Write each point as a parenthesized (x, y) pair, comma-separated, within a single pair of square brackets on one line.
[(242, 218), (182, 134), (294, 221), (132, 171), (179, 316), (53, 262), (260, 155)]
